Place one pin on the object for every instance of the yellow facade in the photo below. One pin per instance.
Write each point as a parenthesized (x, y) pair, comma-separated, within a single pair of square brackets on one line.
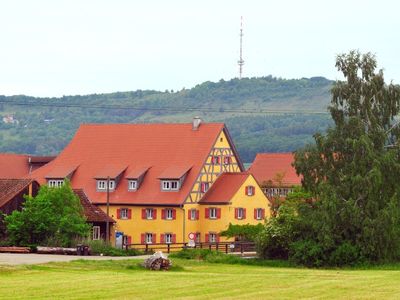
[(181, 226)]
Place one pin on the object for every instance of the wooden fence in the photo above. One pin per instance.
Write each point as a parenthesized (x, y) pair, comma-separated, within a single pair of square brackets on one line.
[(226, 247)]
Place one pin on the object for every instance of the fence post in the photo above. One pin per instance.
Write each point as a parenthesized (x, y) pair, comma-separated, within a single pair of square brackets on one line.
[(226, 248), (241, 248), (168, 247), (217, 246), (147, 248)]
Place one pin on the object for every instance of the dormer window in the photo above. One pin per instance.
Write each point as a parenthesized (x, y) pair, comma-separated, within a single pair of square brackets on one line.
[(250, 190), (102, 185), (132, 185), (170, 185), (55, 182)]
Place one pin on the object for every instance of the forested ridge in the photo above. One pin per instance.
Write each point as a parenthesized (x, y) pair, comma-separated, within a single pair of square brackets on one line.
[(253, 109)]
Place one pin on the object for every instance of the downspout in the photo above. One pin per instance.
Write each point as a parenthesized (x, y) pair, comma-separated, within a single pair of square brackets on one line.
[(183, 224)]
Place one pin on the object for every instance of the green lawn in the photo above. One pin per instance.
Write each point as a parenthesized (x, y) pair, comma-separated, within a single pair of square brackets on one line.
[(192, 280)]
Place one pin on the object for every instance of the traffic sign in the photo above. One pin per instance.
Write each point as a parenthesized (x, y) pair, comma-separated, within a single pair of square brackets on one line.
[(191, 236)]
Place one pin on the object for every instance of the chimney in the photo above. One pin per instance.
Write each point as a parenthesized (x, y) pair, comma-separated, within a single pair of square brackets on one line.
[(196, 123)]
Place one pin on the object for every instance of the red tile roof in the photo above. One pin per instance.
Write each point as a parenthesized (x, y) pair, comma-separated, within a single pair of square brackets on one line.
[(135, 145), (267, 165), (13, 165), (174, 172), (135, 173), (9, 188), (61, 171), (92, 212), (112, 171), (224, 188)]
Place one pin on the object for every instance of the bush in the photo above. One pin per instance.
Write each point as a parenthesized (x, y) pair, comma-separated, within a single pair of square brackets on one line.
[(345, 255), (307, 252), (100, 247)]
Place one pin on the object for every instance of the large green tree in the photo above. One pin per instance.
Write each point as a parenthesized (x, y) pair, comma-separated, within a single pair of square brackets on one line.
[(54, 217), (353, 170)]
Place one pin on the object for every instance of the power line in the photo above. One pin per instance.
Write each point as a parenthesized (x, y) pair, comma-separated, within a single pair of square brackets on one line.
[(165, 108)]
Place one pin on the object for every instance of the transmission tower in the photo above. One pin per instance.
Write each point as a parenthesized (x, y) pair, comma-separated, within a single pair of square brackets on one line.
[(241, 61)]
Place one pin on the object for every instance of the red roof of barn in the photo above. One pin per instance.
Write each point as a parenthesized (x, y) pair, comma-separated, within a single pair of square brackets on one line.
[(160, 146), (266, 166), (92, 212), (9, 188), (224, 188)]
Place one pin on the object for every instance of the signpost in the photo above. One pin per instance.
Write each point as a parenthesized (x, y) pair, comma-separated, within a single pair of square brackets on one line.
[(191, 237)]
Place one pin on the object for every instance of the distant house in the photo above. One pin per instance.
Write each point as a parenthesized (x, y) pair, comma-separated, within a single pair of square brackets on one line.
[(12, 192), (20, 165), (275, 173), (159, 179)]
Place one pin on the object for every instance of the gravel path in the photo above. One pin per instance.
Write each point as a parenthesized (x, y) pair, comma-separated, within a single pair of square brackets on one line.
[(30, 259)]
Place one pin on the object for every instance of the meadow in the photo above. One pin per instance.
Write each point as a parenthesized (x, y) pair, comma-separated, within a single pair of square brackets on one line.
[(194, 279)]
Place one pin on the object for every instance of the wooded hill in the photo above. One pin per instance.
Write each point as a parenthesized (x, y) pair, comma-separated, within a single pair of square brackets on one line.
[(252, 108)]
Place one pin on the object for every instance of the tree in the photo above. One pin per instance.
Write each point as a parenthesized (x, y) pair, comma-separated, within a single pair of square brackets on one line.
[(353, 170), (54, 217)]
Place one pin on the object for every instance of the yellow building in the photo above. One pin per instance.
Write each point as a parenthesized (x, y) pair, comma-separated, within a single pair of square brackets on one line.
[(159, 179)]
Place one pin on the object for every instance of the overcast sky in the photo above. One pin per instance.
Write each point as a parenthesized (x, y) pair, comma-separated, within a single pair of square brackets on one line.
[(55, 48)]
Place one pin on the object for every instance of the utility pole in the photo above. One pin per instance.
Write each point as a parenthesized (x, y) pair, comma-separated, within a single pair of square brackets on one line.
[(241, 61), (108, 212)]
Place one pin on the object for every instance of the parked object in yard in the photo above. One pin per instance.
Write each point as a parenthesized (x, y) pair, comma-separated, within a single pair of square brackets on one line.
[(15, 250), (158, 261), (56, 250)]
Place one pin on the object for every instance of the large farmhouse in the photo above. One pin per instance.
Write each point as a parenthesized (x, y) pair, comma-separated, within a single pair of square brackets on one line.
[(164, 180)]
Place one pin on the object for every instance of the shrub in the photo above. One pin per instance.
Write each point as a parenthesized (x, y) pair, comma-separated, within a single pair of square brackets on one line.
[(100, 247), (307, 252), (345, 255)]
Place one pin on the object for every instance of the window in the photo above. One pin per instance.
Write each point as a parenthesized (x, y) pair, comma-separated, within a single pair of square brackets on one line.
[(240, 213), (102, 185), (55, 182), (204, 186), (227, 160), (259, 214), (170, 185), (215, 160), (168, 238), (132, 185), (169, 214), (149, 213), (124, 213), (250, 190), (149, 238), (213, 213), (96, 232), (193, 214), (212, 238), (197, 237)]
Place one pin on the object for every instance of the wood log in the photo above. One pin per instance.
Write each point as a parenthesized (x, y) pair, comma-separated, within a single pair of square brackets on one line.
[(15, 249), (56, 250), (158, 261)]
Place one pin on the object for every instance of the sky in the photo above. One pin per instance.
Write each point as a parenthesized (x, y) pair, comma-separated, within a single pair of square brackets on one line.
[(51, 48)]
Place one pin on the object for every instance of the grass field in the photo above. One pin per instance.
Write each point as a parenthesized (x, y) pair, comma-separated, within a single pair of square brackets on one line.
[(191, 279)]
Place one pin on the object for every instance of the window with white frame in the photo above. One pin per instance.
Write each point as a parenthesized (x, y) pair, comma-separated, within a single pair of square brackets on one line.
[(212, 238), (132, 185), (124, 213), (193, 214), (213, 213), (227, 160), (197, 237), (170, 185), (96, 233), (204, 186), (55, 182), (250, 190), (149, 238), (169, 215), (102, 185), (259, 214), (240, 213), (168, 238), (149, 213)]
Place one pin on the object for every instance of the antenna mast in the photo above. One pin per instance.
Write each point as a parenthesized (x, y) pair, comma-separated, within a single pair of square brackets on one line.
[(241, 61)]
